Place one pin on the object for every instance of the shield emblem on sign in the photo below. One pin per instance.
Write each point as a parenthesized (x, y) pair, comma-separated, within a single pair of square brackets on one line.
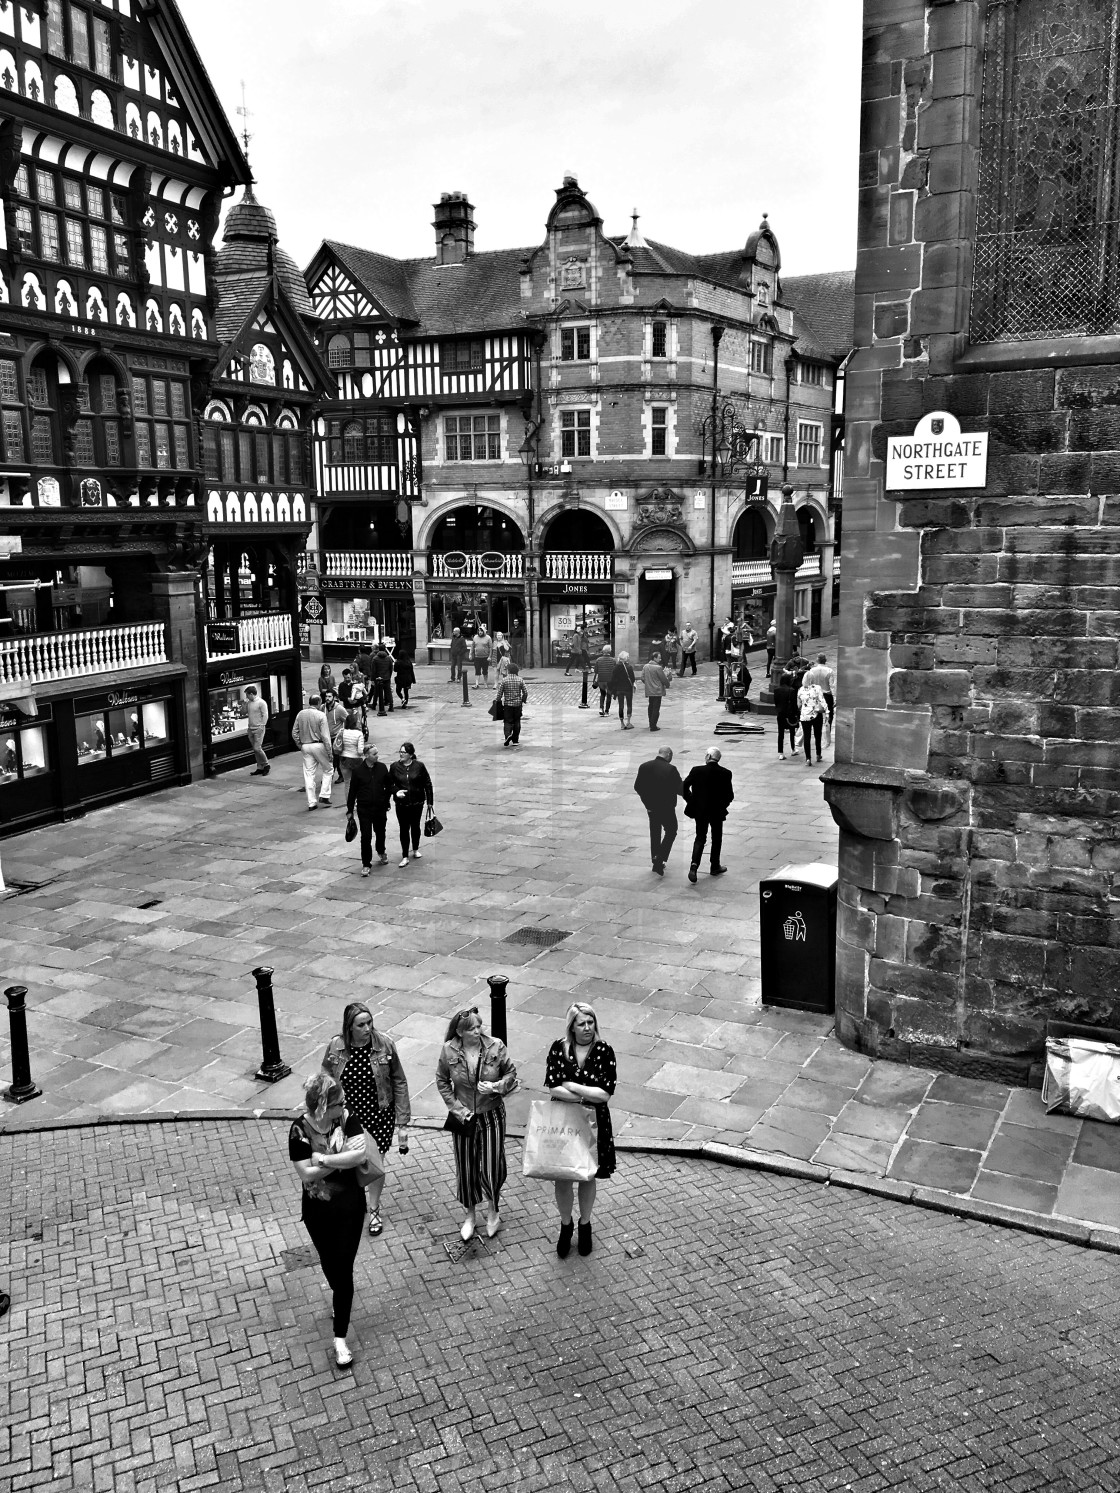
[(937, 426)]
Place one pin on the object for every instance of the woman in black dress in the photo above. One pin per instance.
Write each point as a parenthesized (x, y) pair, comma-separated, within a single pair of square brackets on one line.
[(327, 1144), (367, 1065), (581, 1070)]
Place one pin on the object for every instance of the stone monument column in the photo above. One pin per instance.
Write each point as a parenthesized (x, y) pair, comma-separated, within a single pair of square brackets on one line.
[(787, 552)]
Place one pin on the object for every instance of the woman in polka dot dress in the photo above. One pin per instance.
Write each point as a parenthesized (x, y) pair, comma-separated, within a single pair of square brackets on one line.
[(367, 1065)]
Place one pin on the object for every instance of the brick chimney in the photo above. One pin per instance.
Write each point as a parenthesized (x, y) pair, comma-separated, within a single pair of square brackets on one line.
[(454, 225)]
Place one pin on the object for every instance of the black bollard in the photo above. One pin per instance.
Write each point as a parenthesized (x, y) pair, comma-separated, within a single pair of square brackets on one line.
[(466, 690), (22, 1087), (722, 695), (272, 1069), (583, 705), (498, 985)]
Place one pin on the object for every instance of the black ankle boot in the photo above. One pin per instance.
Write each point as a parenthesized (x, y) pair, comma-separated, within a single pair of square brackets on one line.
[(583, 1245), (564, 1243)]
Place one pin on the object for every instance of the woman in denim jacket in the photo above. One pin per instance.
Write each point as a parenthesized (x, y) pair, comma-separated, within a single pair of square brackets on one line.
[(368, 1067), (473, 1075)]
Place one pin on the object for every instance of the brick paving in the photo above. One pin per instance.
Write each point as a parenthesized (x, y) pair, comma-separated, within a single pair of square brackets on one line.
[(170, 1331), (137, 954)]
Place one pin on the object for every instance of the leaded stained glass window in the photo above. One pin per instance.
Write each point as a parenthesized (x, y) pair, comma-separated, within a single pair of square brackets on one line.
[(1047, 210)]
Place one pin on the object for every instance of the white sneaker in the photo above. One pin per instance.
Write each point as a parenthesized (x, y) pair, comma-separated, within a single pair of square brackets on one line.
[(365, 870), (417, 855), (342, 1354), (403, 861)]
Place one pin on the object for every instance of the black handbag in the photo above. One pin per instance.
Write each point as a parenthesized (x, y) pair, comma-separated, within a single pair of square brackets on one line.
[(466, 1128), (432, 826), (351, 828)]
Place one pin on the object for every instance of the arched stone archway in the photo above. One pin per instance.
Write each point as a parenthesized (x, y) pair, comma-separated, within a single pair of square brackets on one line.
[(476, 527), (752, 533)]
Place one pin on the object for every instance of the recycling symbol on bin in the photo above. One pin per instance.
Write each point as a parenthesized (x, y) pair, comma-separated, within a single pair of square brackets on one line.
[(794, 928)]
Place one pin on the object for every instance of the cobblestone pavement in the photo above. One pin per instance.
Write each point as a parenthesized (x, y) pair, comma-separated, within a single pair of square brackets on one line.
[(138, 948), (170, 1331)]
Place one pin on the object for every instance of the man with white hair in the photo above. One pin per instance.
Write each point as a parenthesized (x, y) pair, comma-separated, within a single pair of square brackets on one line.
[(658, 785), (708, 794)]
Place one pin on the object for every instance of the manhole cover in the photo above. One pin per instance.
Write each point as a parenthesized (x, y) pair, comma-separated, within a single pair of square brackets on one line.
[(539, 938), (298, 1258)]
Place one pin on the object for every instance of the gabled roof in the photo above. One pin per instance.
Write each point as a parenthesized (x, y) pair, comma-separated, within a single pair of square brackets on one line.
[(274, 299), (824, 311), (482, 293), (195, 90)]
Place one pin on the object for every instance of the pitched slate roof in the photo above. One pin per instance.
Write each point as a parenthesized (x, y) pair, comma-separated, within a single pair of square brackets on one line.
[(825, 306), (482, 293), (242, 268)]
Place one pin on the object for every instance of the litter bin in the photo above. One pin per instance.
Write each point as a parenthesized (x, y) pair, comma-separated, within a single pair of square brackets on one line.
[(797, 929)]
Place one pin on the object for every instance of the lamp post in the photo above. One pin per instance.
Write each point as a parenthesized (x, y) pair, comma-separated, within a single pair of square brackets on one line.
[(786, 555)]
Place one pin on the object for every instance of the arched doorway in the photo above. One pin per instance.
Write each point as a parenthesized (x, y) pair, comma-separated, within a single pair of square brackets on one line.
[(751, 540), (576, 585), (476, 573)]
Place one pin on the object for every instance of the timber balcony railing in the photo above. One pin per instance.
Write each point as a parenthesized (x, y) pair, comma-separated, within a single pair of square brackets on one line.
[(576, 565), (367, 564), (758, 572), (486, 565), (269, 633), (37, 658)]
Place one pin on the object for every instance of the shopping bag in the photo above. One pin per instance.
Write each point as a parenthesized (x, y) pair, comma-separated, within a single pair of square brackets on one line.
[(1082, 1077), (561, 1142), (371, 1168)]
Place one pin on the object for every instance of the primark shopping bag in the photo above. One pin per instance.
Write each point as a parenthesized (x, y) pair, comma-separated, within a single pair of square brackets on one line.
[(561, 1142)]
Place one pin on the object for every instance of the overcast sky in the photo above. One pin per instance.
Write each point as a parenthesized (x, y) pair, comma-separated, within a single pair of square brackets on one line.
[(702, 114)]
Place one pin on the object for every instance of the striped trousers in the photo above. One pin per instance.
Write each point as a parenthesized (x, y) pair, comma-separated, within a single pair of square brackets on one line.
[(480, 1159)]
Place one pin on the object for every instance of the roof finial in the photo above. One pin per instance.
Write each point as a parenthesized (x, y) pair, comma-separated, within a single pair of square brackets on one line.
[(245, 115), (634, 239)]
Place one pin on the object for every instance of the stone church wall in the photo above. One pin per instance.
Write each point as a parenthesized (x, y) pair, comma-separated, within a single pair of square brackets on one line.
[(977, 780)]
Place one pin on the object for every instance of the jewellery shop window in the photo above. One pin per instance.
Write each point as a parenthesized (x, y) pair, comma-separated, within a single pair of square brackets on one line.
[(23, 753), (229, 709), (122, 731)]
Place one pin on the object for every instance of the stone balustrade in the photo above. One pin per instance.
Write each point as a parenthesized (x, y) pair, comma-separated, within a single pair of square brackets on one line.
[(576, 565), (456, 565), (750, 572), (367, 564), (37, 658), (268, 633)]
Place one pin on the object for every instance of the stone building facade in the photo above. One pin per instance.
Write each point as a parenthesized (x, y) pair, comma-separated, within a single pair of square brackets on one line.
[(977, 776), (523, 436)]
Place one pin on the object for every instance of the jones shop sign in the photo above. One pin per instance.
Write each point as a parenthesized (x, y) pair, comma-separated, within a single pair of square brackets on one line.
[(938, 454)]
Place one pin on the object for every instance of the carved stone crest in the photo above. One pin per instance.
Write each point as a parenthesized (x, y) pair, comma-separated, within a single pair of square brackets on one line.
[(661, 506), (573, 274)]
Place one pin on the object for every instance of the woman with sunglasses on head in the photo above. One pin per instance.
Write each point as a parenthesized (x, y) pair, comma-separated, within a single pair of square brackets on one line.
[(327, 1144), (581, 1069), (473, 1075), (367, 1065)]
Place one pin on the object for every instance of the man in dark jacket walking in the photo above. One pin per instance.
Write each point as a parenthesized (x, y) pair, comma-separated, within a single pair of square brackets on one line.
[(659, 785), (383, 679), (370, 790), (458, 654), (708, 794)]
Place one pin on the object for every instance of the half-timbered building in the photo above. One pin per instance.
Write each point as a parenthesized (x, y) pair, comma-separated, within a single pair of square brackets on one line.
[(257, 480), (544, 419), (115, 156)]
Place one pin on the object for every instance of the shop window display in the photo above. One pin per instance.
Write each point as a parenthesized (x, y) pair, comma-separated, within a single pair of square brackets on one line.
[(154, 718), (563, 621), (229, 710), (23, 754), (92, 745), (124, 730)]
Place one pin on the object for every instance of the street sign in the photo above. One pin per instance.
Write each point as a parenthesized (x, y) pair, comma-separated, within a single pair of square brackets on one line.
[(312, 609), (938, 454)]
